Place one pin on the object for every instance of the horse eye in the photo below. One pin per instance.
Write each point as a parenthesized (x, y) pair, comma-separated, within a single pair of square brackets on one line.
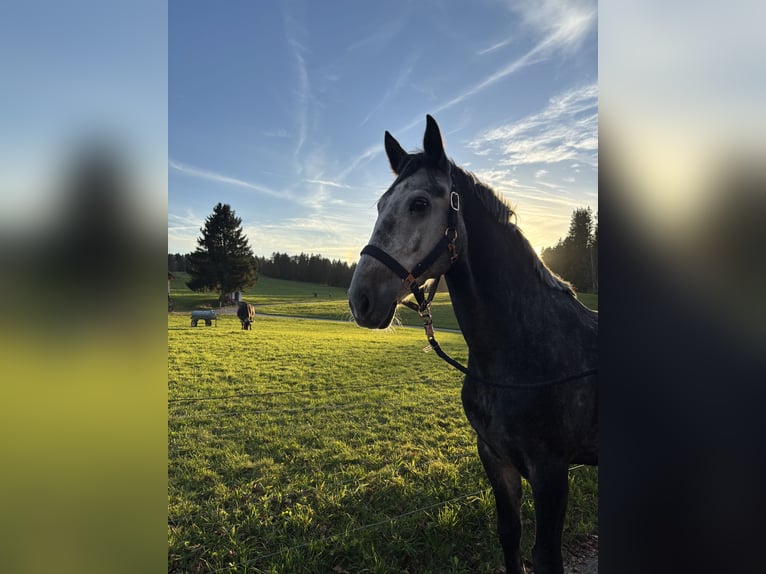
[(419, 206)]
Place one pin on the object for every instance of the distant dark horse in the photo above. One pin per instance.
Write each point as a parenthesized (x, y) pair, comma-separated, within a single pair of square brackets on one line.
[(530, 391), (246, 314)]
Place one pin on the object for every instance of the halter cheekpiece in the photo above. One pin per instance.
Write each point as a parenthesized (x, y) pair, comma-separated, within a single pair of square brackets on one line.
[(410, 278)]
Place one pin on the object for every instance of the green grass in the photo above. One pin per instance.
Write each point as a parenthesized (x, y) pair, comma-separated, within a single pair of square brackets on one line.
[(267, 291), (441, 310), (327, 447), (295, 298), (589, 300)]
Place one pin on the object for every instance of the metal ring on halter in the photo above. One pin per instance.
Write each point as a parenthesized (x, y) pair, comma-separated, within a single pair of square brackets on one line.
[(454, 201)]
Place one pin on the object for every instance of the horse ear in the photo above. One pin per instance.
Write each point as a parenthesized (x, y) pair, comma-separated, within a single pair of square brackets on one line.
[(396, 155), (433, 144)]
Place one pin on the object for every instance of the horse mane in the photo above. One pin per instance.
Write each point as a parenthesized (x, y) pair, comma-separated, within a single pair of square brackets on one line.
[(495, 205), (502, 212)]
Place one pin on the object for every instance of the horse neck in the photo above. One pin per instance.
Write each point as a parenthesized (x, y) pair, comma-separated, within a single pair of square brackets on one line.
[(511, 316)]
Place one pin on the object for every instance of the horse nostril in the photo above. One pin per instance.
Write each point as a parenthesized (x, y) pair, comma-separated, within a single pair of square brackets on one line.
[(360, 306)]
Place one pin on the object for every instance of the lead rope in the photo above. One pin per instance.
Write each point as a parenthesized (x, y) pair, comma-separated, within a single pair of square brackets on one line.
[(423, 309)]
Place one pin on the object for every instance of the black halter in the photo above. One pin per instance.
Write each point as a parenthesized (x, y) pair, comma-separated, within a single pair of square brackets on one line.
[(410, 278)]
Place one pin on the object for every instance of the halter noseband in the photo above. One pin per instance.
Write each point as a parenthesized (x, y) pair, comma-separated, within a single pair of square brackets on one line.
[(410, 278)]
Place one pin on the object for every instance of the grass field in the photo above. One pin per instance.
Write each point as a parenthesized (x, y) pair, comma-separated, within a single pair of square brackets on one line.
[(309, 446), (293, 298), (267, 291)]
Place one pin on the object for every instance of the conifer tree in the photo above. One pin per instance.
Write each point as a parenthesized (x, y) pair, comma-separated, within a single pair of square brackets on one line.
[(223, 260), (575, 257)]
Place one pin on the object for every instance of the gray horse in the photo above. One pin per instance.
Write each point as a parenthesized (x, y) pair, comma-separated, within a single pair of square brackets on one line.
[(530, 391)]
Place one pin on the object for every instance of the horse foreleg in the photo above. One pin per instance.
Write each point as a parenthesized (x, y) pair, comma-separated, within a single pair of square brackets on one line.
[(550, 490), (506, 485)]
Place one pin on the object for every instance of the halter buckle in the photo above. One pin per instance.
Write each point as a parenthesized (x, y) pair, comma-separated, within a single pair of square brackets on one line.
[(451, 243)]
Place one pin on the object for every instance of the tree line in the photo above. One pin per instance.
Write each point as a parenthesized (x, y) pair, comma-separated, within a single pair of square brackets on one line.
[(575, 258), (224, 261), (304, 267), (178, 262), (307, 267)]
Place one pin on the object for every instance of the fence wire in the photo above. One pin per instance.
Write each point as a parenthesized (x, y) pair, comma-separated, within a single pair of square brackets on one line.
[(461, 499), (185, 402), (300, 391), (348, 532)]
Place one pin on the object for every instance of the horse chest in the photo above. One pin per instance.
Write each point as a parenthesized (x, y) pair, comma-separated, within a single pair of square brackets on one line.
[(526, 426), (506, 423)]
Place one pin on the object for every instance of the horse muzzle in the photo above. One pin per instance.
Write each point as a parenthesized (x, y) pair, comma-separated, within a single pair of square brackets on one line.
[(372, 301)]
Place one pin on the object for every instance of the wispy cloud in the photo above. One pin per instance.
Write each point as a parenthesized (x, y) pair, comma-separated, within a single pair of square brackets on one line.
[(294, 34), (280, 133), (495, 47), (183, 222), (328, 183), (400, 82), (368, 154), (561, 25), (216, 177), (183, 230), (338, 236), (567, 129), (384, 34)]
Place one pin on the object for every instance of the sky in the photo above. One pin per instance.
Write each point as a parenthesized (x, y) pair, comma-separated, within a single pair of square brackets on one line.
[(72, 74), (279, 109)]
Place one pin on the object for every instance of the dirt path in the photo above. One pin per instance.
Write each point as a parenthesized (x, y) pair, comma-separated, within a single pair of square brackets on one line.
[(580, 557), (583, 557)]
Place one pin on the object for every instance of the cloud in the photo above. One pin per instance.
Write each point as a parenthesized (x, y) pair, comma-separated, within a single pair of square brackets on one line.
[(559, 28), (216, 177), (333, 236), (401, 80), (328, 183), (280, 133), (297, 36), (183, 222), (384, 34), (493, 47), (562, 23), (183, 231), (567, 129)]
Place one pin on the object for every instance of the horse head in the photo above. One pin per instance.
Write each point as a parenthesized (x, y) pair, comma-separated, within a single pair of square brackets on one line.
[(415, 233)]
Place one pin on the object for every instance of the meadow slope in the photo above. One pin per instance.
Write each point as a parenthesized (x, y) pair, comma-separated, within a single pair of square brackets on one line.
[(311, 446)]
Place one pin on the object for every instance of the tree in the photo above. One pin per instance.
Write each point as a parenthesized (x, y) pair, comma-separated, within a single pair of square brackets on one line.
[(594, 257), (223, 260), (575, 257), (579, 241), (309, 268)]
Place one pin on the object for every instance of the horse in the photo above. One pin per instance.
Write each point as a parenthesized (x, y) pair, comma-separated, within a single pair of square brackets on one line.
[(530, 388), (246, 314)]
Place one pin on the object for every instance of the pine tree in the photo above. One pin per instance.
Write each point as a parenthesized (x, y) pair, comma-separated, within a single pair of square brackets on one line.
[(579, 241), (574, 257), (223, 260)]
